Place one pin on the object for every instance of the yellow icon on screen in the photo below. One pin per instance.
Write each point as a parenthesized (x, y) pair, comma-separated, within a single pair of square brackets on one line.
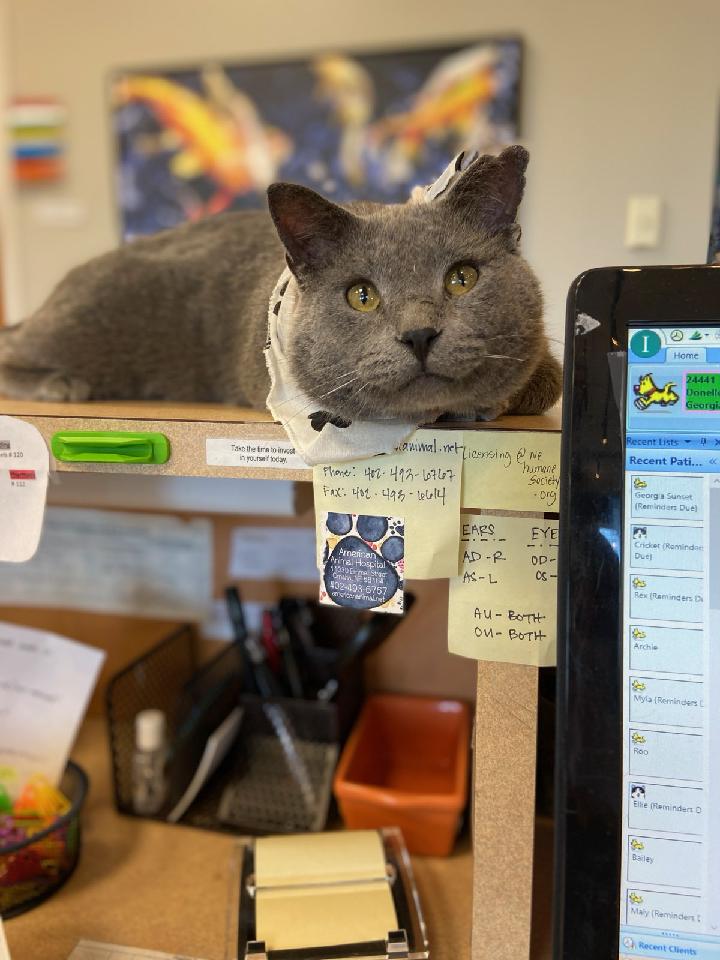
[(638, 685), (638, 582), (639, 483), (638, 634), (637, 845), (638, 738), (635, 897)]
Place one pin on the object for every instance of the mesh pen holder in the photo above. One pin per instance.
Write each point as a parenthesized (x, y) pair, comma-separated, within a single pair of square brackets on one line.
[(282, 781), (195, 699), (277, 776)]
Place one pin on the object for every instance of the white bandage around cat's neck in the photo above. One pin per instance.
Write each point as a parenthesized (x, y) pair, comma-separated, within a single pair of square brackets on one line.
[(317, 436)]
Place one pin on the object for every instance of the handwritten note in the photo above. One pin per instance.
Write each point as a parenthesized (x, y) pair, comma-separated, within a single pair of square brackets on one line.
[(421, 482), (503, 605), (511, 470)]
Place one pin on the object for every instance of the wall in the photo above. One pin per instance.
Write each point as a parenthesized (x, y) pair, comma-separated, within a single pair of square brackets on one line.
[(619, 97), (10, 260)]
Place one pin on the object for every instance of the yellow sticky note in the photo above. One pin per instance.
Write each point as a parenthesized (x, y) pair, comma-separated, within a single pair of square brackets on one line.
[(322, 889), (307, 858), (503, 606), (421, 483), (325, 916), (511, 470)]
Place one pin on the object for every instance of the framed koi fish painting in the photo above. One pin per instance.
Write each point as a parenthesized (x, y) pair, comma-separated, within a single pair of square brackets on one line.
[(714, 247), (195, 141)]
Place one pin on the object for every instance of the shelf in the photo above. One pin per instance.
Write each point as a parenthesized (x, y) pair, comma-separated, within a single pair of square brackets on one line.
[(167, 887), (189, 426)]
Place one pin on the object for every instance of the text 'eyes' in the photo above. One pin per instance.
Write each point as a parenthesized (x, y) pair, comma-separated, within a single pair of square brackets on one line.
[(363, 296), (460, 279)]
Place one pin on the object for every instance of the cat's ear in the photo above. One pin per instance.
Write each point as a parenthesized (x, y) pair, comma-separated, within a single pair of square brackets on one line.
[(309, 226), (488, 192)]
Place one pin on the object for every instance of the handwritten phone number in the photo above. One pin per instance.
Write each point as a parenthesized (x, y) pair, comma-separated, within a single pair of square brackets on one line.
[(396, 474)]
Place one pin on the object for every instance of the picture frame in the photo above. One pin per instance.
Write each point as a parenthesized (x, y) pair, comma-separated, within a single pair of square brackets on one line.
[(196, 140)]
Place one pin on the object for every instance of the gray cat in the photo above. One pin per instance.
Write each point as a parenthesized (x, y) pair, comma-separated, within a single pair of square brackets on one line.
[(409, 311)]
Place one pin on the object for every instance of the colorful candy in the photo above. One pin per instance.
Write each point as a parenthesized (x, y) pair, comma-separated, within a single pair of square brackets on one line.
[(26, 871)]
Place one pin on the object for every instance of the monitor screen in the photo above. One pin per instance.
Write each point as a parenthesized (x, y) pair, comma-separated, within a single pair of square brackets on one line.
[(670, 880)]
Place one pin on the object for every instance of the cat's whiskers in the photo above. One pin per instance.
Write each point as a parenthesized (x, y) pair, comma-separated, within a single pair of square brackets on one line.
[(365, 399), (314, 401), (517, 336), (343, 384), (503, 356)]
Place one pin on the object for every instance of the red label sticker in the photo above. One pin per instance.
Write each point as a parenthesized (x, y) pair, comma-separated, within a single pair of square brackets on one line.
[(22, 474)]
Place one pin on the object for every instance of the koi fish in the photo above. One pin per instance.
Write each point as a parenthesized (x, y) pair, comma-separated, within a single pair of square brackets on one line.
[(223, 141), (452, 102)]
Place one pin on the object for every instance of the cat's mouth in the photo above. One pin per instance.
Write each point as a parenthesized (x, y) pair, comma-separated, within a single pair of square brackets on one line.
[(425, 377)]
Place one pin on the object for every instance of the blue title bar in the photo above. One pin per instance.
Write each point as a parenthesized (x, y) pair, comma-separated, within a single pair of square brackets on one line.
[(672, 441), (634, 944), (701, 355), (677, 461)]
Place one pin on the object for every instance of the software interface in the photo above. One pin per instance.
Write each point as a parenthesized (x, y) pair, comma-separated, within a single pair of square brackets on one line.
[(670, 880)]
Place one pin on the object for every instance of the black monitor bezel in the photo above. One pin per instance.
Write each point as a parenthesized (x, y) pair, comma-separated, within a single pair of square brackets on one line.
[(603, 305)]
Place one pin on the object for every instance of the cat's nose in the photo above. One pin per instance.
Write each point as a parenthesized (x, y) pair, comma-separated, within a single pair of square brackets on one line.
[(420, 341)]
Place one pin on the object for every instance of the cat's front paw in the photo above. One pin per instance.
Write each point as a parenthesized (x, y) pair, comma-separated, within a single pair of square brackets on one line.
[(491, 413), (321, 418)]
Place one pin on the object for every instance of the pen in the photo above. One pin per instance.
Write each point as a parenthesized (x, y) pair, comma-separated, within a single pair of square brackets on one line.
[(270, 642), (292, 671), (253, 656), (369, 636)]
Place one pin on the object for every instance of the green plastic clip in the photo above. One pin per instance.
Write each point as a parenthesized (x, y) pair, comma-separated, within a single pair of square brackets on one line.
[(110, 446)]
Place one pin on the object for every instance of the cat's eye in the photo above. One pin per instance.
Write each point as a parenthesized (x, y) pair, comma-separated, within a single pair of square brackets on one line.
[(460, 279), (363, 296)]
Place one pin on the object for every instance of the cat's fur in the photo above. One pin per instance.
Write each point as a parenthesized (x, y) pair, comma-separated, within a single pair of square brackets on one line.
[(182, 315)]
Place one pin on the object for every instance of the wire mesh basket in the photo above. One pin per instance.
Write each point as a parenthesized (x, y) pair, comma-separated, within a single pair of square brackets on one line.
[(277, 776), (33, 869)]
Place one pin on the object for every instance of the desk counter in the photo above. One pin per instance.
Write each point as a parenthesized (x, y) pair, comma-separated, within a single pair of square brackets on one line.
[(146, 884)]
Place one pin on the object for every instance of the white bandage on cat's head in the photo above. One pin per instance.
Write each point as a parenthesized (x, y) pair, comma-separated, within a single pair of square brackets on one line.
[(456, 166)]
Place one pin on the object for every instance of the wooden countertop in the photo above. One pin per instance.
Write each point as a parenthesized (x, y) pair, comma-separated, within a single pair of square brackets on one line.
[(146, 884), (189, 426)]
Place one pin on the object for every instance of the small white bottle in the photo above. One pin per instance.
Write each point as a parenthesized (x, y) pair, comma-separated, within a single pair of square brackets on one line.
[(149, 784)]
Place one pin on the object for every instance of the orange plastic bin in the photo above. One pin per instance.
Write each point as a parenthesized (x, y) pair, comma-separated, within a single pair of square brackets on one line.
[(406, 765)]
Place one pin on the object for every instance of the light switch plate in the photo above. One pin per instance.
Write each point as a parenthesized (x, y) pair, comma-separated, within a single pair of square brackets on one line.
[(643, 221)]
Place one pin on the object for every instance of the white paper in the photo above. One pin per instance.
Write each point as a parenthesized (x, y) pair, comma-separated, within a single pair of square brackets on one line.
[(218, 625), (92, 950), (263, 454), (133, 564), (45, 684), (216, 748), (24, 465), (4, 949), (260, 498), (273, 553)]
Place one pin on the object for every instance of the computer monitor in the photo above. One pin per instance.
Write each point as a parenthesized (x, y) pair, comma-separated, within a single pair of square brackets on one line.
[(638, 786)]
